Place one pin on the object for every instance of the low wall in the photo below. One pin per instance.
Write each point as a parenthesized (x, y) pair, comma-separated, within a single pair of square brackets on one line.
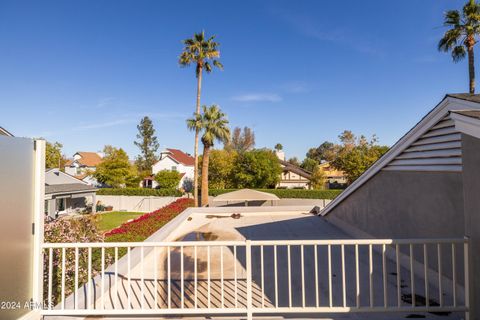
[(135, 203), (282, 202)]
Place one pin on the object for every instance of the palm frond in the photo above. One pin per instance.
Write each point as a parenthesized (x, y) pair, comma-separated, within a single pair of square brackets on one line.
[(458, 53)]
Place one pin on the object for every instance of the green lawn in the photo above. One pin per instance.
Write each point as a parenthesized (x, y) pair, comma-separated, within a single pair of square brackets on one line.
[(109, 220)]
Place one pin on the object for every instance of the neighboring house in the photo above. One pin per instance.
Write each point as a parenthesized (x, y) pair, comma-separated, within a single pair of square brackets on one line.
[(426, 186), (66, 194), (293, 177), (334, 178), (4, 132), (82, 165), (174, 159)]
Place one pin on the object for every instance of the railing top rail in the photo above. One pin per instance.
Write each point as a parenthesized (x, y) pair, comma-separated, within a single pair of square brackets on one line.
[(254, 243)]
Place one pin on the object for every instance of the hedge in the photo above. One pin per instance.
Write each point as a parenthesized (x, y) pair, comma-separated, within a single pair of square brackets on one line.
[(289, 193), (139, 192)]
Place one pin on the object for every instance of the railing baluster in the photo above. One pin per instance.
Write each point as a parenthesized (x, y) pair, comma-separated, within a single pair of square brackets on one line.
[(275, 274), (439, 260), (248, 269), (116, 278), (454, 276), (315, 256), (303, 275), (357, 276), (262, 276), (76, 278), (208, 276), (103, 278), (466, 266), (63, 278), (412, 277), (384, 274), (330, 299), (221, 278), (181, 278), (129, 267), (50, 271), (235, 274), (344, 282), (397, 260), (425, 262), (289, 277), (195, 276), (169, 279), (370, 270), (89, 278), (155, 277), (142, 278)]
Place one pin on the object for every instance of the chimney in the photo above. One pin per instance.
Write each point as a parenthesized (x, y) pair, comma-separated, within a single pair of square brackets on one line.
[(280, 154)]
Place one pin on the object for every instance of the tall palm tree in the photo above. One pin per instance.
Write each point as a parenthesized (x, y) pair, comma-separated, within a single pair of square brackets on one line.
[(462, 36), (199, 51), (214, 124)]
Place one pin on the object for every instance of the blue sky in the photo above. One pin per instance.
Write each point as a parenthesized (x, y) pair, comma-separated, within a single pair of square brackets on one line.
[(298, 72)]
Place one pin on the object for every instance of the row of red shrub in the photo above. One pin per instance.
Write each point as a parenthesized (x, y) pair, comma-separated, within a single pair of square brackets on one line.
[(144, 226)]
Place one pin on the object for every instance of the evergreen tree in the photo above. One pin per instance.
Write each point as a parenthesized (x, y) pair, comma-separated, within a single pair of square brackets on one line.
[(148, 145)]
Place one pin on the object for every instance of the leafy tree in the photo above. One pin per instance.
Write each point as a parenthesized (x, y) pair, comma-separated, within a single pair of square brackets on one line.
[(462, 36), (242, 141), (317, 179), (309, 164), (357, 155), (199, 50), (258, 168), (278, 147), (115, 170), (148, 145), (294, 161), (168, 179), (214, 125), (53, 156), (325, 152), (221, 168)]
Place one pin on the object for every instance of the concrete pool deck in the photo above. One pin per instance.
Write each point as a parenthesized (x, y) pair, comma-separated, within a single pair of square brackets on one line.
[(266, 224)]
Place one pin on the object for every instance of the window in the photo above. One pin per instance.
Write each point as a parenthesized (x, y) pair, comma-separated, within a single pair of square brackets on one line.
[(174, 168)]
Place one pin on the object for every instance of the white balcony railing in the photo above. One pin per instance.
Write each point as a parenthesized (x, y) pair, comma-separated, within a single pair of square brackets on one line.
[(255, 277)]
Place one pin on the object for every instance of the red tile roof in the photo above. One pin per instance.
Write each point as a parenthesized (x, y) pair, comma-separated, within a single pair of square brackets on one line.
[(89, 159), (181, 157)]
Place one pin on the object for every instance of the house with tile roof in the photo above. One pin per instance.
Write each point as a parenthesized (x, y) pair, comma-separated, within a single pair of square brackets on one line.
[(83, 163), (177, 160)]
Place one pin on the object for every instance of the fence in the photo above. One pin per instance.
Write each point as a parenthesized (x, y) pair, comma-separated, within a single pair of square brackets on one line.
[(255, 277), (135, 203)]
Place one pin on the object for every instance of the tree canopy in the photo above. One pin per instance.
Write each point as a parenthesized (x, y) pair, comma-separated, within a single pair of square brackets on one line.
[(241, 141), (258, 168), (53, 156), (167, 179), (148, 145), (115, 170)]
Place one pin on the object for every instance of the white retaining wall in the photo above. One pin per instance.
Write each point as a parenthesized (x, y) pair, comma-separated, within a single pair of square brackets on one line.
[(135, 203)]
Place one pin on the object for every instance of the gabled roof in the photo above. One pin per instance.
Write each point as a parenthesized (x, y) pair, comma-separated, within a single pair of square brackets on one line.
[(4, 132), (88, 159), (53, 176), (180, 157), (287, 166), (68, 188), (449, 103)]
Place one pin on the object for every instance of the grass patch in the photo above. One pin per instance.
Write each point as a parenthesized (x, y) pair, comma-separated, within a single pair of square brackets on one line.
[(109, 220)]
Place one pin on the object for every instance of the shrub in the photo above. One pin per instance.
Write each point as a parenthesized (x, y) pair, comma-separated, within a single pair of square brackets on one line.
[(144, 226), (168, 179), (289, 193), (67, 229), (139, 192)]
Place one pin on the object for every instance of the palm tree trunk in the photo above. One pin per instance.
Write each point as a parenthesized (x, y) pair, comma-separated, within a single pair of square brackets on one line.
[(197, 132), (205, 160), (471, 67)]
